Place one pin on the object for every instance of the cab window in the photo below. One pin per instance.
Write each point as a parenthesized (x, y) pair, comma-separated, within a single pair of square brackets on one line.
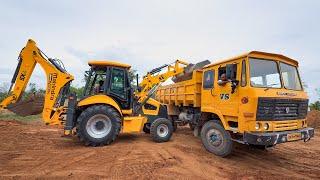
[(243, 74), (95, 82), (208, 79), (118, 82), (221, 70)]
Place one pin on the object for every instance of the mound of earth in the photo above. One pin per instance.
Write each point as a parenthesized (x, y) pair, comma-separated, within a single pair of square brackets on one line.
[(35, 151), (313, 119)]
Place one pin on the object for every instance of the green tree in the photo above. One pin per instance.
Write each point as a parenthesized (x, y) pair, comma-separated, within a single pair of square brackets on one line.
[(315, 106), (132, 76), (32, 88), (4, 87), (77, 90)]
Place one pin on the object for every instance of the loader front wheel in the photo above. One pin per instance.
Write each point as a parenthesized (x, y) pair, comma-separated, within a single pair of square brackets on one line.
[(161, 130), (216, 139), (98, 125)]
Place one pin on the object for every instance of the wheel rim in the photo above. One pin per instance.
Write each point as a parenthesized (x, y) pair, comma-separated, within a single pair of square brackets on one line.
[(162, 130), (214, 137), (99, 126)]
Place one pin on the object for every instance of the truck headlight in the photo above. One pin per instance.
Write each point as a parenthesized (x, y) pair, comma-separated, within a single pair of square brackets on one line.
[(257, 126), (265, 126)]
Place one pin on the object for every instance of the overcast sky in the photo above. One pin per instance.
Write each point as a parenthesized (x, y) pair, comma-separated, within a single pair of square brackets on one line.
[(150, 33)]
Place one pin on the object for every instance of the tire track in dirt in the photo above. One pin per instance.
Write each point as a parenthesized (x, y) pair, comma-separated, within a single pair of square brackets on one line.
[(38, 151)]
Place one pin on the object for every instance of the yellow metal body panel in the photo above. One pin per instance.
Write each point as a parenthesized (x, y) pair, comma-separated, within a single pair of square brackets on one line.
[(152, 102), (183, 93), (99, 99), (186, 93), (258, 54), (108, 63), (133, 123), (126, 111)]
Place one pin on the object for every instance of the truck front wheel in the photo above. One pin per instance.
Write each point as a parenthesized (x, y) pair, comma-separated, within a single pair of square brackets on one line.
[(98, 125), (161, 130), (216, 139)]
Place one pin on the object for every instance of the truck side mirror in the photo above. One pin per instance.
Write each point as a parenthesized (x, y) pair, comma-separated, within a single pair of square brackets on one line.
[(231, 71)]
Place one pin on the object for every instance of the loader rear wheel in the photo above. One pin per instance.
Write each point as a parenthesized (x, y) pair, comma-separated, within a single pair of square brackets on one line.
[(216, 139), (98, 125), (161, 130)]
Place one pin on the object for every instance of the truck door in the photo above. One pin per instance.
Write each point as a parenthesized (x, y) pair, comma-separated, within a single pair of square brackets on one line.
[(208, 90), (226, 101)]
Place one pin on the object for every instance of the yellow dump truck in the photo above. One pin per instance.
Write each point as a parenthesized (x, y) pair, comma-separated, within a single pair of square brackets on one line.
[(255, 99)]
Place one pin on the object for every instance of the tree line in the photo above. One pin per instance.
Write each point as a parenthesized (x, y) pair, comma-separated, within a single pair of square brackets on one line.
[(32, 89)]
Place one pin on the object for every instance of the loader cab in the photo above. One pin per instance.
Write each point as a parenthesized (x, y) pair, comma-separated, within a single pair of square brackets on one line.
[(109, 78)]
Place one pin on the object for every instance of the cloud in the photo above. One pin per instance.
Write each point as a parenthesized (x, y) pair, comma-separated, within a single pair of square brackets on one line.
[(148, 34), (6, 71)]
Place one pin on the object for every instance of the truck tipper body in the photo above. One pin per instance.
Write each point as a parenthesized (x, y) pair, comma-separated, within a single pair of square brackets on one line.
[(260, 102)]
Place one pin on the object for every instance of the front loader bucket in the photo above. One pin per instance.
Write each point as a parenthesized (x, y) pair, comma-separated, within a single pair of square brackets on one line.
[(189, 70), (32, 106)]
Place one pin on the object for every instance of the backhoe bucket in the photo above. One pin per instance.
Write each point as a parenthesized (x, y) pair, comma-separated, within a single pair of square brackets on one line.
[(32, 106), (187, 75)]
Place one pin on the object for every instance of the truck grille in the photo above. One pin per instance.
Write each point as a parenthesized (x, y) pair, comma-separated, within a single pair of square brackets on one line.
[(281, 109), (285, 125)]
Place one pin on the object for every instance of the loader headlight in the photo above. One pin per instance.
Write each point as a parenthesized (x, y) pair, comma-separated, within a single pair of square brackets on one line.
[(257, 126), (265, 126)]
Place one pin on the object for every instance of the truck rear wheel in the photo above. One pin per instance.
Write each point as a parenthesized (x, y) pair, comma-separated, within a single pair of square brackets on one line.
[(98, 125), (161, 130), (216, 139)]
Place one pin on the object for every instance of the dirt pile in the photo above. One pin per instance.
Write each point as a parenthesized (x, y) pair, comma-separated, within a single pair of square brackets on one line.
[(36, 151), (313, 119), (30, 106)]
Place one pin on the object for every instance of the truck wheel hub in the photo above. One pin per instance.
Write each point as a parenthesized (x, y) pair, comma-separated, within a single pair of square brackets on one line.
[(99, 126), (214, 137)]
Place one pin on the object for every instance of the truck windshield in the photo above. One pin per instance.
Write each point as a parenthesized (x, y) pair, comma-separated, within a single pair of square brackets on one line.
[(264, 73), (290, 77)]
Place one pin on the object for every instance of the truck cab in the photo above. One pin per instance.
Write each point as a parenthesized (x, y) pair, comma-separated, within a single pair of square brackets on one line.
[(263, 96)]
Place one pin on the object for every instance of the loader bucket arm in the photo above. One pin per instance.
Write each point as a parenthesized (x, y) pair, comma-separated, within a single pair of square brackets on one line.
[(19, 80), (58, 81), (154, 78)]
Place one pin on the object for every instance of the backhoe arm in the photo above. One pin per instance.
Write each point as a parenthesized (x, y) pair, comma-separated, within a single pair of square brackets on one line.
[(154, 78), (58, 81)]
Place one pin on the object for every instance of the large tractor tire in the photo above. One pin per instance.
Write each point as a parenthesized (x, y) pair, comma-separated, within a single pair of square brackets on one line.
[(161, 130), (216, 139), (98, 125)]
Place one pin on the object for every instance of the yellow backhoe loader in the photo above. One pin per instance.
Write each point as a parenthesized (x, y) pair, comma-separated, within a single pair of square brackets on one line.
[(108, 105)]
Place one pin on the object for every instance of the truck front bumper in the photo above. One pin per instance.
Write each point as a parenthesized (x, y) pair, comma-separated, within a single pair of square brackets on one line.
[(273, 138)]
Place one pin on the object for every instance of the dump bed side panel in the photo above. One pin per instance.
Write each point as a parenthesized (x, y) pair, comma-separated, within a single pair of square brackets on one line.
[(185, 93)]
